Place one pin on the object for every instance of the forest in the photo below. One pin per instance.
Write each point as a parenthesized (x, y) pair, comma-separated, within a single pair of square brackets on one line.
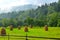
[(48, 14)]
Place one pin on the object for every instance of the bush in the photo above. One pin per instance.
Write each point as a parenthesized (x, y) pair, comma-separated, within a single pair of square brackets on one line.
[(3, 31), (26, 29), (46, 28)]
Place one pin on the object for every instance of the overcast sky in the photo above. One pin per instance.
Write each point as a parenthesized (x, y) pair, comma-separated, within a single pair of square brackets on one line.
[(9, 3)]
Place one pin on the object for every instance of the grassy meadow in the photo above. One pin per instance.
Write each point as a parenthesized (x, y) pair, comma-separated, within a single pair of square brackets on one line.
[(53, 32)]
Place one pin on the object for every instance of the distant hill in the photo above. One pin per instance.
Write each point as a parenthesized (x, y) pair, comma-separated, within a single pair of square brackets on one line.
[(19, 8), (24, 7)]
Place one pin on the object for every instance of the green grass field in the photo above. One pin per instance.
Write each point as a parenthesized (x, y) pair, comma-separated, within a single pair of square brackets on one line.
[(53, 32)]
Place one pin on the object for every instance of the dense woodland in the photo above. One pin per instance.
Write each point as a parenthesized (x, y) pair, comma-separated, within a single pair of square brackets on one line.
[(48, 14)]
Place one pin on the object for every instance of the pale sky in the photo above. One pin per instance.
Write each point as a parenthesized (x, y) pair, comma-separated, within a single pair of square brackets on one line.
[(5, 4)]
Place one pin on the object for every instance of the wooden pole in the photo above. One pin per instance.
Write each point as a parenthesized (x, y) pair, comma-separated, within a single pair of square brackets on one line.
[(8, 36), (26, 36)]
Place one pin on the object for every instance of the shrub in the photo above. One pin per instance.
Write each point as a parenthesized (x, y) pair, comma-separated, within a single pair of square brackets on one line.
[(46, 28), (26, 29), (3, 31)]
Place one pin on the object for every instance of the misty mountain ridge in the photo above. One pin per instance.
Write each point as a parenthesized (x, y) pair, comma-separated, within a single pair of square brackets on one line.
[(19, 8), (24, 7)]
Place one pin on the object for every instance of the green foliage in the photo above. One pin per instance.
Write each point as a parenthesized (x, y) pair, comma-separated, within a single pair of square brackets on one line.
[(46, 14)]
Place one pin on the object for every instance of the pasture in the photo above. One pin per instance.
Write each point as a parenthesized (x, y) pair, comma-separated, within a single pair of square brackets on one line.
[(37, 33)]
